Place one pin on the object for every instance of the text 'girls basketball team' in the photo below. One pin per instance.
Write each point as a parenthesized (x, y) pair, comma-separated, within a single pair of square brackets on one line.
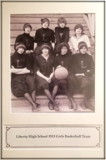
[(53, 63)]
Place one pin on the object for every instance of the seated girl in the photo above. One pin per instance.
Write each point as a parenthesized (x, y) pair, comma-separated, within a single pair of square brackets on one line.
[(26, 38), (44, 35), (44, 75), (22, 81), (78, 37), (65, 59), (61, 32), (82, 77)]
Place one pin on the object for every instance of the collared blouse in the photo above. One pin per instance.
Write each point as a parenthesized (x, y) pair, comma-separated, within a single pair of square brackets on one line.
[(74, 41)]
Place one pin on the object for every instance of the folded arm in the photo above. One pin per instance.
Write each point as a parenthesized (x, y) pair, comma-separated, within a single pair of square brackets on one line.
[(19, 70)]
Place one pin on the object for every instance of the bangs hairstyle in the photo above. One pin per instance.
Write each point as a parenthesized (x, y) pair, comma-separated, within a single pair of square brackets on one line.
[(27, 25), (79, 26), (19, 45), (45, 46), (61, 45), (43, 20), (81, 45), (62, 20)]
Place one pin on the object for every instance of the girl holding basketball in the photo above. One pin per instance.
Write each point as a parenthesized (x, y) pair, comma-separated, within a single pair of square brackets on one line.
[(63, 63), (44, 75)]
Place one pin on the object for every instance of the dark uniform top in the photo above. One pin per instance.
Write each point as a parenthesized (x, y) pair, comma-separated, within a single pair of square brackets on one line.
[(22, 61), (27, 40), (19, 60), (44, 66), (61, 34), (82, 63), (21, 83), (64, 60), (44, 35)]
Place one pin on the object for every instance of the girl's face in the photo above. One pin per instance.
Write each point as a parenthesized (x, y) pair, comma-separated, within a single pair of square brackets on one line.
[(45, 51), (63, 50), (83, 50), (45, 25), (78, 31), (27, 30), (62, 25), (20, 50)]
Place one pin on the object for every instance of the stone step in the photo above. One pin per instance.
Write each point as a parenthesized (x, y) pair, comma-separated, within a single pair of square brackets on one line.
[(62, 100), (44, 97), (43, 100), (23, 106)]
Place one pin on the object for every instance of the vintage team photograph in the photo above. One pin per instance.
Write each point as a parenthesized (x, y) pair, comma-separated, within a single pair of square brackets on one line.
[(52, 58)]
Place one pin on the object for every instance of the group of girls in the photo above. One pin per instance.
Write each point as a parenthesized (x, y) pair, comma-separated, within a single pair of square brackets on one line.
[(35, 59)]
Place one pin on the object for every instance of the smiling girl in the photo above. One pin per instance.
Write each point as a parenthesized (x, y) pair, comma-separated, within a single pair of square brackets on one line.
[(78, 37)]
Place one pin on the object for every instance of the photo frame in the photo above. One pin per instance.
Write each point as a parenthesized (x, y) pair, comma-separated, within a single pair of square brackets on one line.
[(58, 135)]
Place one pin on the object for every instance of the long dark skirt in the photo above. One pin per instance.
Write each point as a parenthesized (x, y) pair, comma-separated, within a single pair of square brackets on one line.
[(21, 84), (43, 84)]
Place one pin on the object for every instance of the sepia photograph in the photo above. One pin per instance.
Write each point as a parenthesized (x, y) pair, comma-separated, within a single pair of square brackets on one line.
[(53, 80), (52, 62)]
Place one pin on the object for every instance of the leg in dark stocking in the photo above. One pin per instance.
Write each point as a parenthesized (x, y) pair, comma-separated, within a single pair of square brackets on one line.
[(29, 98), (48, 94), (30, 81), (86, 89), (54, 92), (84, 85), (73, 104), (33, 95), (72, 83), (87, 97)]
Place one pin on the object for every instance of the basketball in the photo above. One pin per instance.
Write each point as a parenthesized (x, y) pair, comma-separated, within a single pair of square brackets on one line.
[(61, 73)]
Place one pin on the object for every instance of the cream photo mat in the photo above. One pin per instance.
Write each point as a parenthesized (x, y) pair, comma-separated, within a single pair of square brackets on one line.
[(96, 118)]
